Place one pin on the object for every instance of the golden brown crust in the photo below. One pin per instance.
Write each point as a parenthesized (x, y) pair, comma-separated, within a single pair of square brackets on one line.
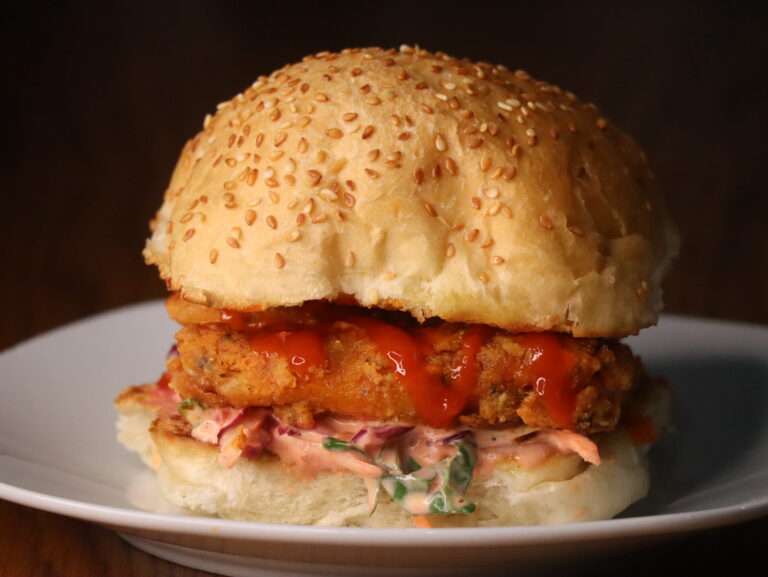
[(420, 182), (217, 367)]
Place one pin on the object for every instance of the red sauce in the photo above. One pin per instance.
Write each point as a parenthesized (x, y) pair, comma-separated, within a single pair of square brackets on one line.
[(163, 381), (236, 320), (434, 400), (550, 369), (639, 426), (302, 349), (467, 372)]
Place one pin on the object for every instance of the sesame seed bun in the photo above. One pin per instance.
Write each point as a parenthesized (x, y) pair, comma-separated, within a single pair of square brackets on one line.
[(419, 182)]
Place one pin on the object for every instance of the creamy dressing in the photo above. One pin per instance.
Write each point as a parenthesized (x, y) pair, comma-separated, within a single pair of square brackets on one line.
[(425, 470)]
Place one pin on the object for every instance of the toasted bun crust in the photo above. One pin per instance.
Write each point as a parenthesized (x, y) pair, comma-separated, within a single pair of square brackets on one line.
[(416, 181), (563, 490)]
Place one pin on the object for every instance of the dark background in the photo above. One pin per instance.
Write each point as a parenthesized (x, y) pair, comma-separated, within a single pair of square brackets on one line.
[(99, 98)]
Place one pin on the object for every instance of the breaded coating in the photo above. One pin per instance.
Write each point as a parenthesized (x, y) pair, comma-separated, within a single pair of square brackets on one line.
[(351, 376)]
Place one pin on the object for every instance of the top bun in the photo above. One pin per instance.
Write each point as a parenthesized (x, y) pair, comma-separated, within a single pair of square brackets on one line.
[(416, 181)]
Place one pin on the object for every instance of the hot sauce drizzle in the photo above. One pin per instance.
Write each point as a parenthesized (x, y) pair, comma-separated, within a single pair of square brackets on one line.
[(550, 369), (436, 401)]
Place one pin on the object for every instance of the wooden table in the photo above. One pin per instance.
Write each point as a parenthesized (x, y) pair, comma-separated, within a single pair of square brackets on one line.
[(102, 99)]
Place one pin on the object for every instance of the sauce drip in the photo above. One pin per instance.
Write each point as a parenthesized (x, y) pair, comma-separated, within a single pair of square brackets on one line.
[(639, 426), (236, 320), (435, 401), (164, 381), (551, 372), (302, 349)]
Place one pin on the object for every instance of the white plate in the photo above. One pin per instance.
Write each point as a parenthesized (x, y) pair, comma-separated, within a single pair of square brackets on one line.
[(58, 453)]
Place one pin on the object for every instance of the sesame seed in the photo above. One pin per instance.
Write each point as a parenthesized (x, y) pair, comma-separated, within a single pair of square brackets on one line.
[(315, 177), (334, 133), (430, 209), (373, 155), (546, 222), (350, 260), (190, 232), (490, 192), (213, 256), (475, 142), (271, 222), (404, 136), (321, 97), (274, 197), (349, 116), (328, 194), (279, 260), (373, 100), (372, 173), (418, 176), (450, 166), (472, 235), (483, 277), (294, 236), (504, 106), (250, 216), (280, 137), (506, 211), (187, 217), (349, 200), (440, 143), (575, 230), (303, 145), (233, 242), (368, 131), (450, 250), (319, 218), (476, 203), (485, 163)]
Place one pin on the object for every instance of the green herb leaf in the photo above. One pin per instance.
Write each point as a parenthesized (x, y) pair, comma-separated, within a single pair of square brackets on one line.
[(188, 404), (439, 488)]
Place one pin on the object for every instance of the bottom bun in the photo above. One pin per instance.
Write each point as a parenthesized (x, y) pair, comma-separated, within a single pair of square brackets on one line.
[(564, 489)]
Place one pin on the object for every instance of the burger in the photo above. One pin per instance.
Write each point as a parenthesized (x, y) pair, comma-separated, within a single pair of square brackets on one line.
[(402, 281)]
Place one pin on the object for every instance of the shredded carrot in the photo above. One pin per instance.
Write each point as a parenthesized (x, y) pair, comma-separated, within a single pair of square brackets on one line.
[(422, 521)]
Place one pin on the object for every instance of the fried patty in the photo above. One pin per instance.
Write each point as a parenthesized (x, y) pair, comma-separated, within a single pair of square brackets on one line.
[(218, 366)]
